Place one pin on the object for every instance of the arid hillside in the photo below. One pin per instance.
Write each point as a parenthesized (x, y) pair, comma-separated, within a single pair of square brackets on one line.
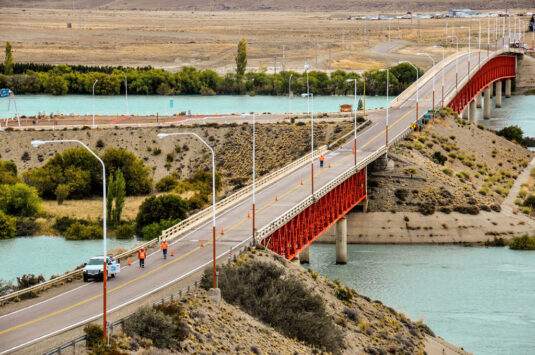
[(449, 166), (279, 5)]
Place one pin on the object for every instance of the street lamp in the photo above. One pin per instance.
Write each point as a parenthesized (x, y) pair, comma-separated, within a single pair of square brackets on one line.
[(355, 107), (254, 174), (417, 85), (37, 143), (456, 61), (165, 135), (307, 67), (387, 118), (93, 101), (469, 47), (443, 70), (433, 61), (126, 94)]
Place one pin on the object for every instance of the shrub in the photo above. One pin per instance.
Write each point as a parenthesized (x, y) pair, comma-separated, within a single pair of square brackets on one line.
[(26, 226), (512, 133), (63, 223), (100, 144), (496, 242), (19, 200), (8, 172), (447, 171), (153, 230), (28, 280), (157, 208), (152, 324), (62, 192), (166, 184), (530, 201), (426, 208), (263, 290), (125, 231), (78, 231), (468, 209), (6, 287), (522, 243), (8, 227), (93, 334)]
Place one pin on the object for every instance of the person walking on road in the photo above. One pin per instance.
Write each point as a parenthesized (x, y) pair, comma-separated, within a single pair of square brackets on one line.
[(322, 159), (141, 255), (164, 245)]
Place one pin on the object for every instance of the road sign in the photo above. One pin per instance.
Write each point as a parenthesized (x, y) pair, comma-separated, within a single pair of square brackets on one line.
[(4, 92)]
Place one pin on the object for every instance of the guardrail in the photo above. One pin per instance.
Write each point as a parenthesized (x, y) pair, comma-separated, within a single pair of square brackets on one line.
[(177, 230)]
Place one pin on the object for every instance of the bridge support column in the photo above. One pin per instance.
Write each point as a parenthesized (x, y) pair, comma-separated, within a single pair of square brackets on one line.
[(341, 241), (478, 100), (499, 93), (507, 87), (491, 86), (472, 111), (464, 114), (486, 103), (304, 256)]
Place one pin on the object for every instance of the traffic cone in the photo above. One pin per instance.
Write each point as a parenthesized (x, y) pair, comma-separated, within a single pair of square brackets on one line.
[(276, 198), (301, 183), (172, 252), (129, 261), (248, 215), (222, 231)]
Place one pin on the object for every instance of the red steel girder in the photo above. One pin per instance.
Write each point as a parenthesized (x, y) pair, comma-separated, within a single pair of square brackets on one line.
[(309, 224), (497, 68)]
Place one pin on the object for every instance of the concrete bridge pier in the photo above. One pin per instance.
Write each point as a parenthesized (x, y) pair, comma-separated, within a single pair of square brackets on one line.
[(499, 93), (472, 111), (486, 103), (478, 100), (507, 87), (304, 256), (492, 91), (465, 112), (341, 241)]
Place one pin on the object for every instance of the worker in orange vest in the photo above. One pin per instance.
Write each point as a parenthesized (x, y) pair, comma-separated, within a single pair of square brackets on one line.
[(141, 255), (322, 159), (164, 245)]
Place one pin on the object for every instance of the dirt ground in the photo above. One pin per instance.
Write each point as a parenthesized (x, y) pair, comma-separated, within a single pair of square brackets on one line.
[(277, 39)]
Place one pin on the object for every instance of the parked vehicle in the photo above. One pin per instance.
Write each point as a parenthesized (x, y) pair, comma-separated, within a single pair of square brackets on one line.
[(93, 269)]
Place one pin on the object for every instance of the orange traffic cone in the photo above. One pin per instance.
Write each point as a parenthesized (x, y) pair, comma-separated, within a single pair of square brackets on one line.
[(172, 252), (222, 231), (129, 261), (248, 215)]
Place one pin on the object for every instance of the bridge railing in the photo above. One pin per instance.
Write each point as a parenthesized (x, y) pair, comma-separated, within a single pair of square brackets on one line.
[(177, 230)]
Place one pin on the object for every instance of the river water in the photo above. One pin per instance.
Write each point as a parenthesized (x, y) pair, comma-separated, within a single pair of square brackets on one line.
[(168, 105), (49, 255), (480, 298)]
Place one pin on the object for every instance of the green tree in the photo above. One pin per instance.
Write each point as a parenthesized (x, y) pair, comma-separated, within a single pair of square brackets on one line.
[(136, 174), (8, 61), (241, 58), (154, 209), (8, 172), (120, 193), (110, 195)]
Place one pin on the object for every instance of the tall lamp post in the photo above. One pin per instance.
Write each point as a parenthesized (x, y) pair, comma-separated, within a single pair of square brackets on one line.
[(469, 46), (307, 67), (214, 266), (442, 79), (37, 143), (93, 101), (254, 175), (456, 61), (126, 94), (433, 61), (417, 87), (355, 107)]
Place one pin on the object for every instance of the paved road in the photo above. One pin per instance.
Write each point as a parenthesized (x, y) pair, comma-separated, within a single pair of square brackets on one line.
[(53, 315)]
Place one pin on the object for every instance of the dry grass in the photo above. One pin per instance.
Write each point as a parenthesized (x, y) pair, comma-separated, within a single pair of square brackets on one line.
[(328, 40), (90, 209)]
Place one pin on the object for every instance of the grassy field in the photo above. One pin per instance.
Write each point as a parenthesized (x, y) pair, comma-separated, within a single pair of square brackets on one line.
[(90, 209)]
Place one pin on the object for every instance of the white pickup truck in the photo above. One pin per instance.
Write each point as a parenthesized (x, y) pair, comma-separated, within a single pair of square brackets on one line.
[(93, 269)]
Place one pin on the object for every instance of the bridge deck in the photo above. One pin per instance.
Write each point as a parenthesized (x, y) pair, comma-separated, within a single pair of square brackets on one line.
[(77, 306)]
